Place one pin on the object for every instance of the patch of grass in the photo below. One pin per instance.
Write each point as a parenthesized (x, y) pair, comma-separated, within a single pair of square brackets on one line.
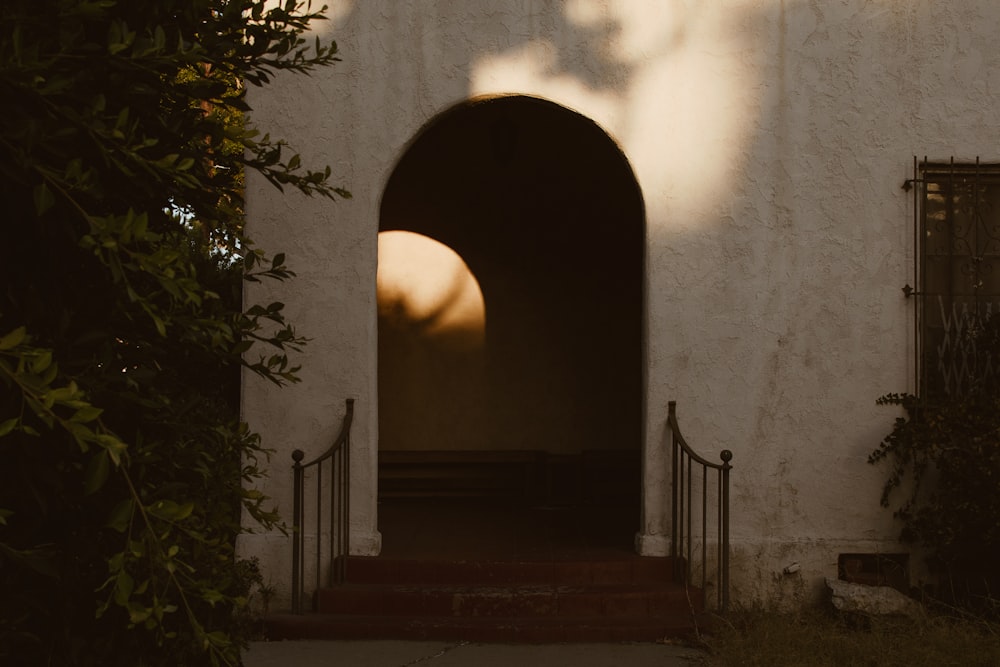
[(819, 638)]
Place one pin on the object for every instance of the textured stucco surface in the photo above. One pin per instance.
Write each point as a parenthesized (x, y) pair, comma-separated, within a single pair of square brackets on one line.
[(769, 139)]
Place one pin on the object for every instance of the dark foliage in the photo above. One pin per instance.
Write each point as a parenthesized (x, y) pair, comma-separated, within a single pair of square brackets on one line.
[(946, 461), (123, 465)]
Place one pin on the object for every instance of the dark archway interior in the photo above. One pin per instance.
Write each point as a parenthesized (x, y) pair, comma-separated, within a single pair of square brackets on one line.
[(542, 407)]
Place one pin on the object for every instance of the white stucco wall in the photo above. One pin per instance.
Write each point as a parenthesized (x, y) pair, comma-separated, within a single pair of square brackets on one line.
[(770, 139)]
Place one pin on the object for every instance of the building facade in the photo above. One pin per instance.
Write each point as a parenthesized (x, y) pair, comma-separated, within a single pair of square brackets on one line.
[(629, 202)]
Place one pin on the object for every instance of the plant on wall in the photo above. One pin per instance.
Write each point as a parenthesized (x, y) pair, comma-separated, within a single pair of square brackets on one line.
[(945, 458), (123, 464)]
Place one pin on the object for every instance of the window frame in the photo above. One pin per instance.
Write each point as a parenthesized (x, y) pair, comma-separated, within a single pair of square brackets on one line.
[(956, 228)]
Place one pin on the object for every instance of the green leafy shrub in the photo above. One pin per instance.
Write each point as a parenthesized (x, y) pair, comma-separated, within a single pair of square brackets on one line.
[(123, 464), (945, 459)]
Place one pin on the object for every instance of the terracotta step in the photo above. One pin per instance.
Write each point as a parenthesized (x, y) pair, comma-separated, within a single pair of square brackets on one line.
[(618, 598), (612, 570), (599, 629), (521, 601)]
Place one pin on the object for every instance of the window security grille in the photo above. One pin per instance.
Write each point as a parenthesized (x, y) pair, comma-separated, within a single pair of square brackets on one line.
[(957, 274)]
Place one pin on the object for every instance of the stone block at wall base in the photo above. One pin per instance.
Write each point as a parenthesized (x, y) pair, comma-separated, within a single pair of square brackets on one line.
[(873, 600)]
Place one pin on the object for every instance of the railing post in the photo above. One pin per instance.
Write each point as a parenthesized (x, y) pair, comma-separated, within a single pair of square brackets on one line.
[(297, 573), (674, 511), (346, 491), (683, 459), (338, 455), (726, 457)]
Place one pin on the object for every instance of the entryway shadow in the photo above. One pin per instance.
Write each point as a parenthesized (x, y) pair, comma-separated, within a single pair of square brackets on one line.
[(491, 529)]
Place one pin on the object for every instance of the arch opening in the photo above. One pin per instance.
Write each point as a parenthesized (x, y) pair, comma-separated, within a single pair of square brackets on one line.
[(542, 405)]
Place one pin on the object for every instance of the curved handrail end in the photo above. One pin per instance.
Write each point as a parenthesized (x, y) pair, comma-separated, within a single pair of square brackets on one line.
[(342, 436)]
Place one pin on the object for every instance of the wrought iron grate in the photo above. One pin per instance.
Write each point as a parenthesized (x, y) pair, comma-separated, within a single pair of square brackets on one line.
[(957, 273), (960, 363)]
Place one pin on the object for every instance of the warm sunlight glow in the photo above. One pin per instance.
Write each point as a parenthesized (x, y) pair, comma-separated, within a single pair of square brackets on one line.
[(585, 12), (534, 70), (670, 82), (424, 284)]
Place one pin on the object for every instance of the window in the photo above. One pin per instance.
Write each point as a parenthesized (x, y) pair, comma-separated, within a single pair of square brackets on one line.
[(957, 274)]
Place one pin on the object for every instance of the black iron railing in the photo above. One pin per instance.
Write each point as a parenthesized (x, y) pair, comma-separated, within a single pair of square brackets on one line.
[(686, 477), (334, 496)]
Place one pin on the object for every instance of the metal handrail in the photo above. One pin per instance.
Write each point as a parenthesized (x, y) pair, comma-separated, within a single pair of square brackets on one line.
[(683, 459), (339, 456)]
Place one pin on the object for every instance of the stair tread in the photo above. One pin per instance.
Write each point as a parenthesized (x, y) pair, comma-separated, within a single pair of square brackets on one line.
[(604, 595), (526, 587), (576, 621), (528, 601), (591, 558), (577, 629), (611, 569)]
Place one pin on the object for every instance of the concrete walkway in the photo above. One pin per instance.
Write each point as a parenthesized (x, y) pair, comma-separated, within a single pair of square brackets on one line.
[(458, 654)]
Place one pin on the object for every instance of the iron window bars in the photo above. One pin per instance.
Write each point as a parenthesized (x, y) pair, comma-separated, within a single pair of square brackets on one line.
[(956, 228)]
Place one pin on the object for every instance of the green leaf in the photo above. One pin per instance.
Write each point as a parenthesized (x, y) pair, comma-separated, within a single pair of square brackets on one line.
[(44, 200), (138, 613), (97, 472), (136, 548), (159, 38), (81, 434), (60, 395), (49, 376), (8, 426), (120, 516), (86, 414), (161, 328), (212, 596), (115, 447), (168, 161), (170, 510), (139, 227), (41, 361), (13, 339), (123, 587)]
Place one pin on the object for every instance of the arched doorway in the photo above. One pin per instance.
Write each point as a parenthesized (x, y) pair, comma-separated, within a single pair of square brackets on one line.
[(541, 407)]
